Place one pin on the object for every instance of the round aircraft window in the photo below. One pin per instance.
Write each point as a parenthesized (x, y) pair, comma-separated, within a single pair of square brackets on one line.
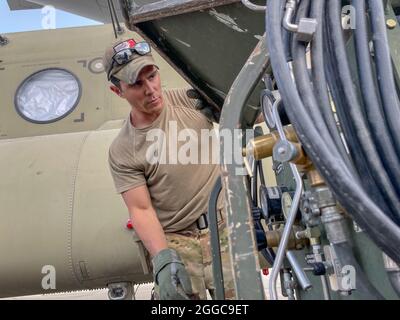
[(48, 95)]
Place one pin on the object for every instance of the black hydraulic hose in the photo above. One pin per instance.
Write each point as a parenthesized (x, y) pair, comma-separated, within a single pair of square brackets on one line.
[(304, 87), (373, 106), (336, 90), (338, 96), (350, 194), (356, 116), (319, 78), (346, 257), (384, 68), (304, 84)]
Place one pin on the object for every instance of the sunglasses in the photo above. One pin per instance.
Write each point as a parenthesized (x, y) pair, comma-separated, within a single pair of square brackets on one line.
[(127, 54)]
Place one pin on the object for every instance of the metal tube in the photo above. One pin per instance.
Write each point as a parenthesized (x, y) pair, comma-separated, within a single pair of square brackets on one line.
[(325, 288), (287, 20), (299, 272), (252, 6), (292, 213)]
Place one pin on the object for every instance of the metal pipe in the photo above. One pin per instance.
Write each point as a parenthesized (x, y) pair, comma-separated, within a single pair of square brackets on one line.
[(299, 272), (289, 14), (292, 213), (325, 288), (252, 6)]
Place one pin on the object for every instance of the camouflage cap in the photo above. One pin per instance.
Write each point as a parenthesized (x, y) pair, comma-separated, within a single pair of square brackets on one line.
[(130, 71)]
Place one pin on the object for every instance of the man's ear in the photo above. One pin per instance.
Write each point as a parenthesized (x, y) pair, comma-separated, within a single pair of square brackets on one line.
[(116, 90)]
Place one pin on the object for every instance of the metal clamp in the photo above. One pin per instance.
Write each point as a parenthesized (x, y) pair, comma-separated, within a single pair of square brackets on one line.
[(305, 29)]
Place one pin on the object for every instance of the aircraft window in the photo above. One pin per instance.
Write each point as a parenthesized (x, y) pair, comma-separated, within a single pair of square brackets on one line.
[(48, 95)]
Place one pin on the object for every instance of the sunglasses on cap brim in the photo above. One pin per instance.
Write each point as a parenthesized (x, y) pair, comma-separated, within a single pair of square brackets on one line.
[(127, 54)]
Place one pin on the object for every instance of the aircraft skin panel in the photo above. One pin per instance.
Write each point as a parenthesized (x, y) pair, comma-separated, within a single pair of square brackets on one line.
[(77, 227), (91, 9), (22, 5)]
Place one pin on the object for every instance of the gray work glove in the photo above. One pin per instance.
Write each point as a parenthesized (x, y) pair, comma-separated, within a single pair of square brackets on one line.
[(203, 106), (171, 276)]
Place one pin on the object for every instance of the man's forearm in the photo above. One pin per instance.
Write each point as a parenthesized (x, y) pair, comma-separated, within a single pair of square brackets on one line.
[(149, 230)]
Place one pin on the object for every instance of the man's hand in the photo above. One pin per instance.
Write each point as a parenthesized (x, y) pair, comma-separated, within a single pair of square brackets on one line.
[(205, 108), (171, 276)]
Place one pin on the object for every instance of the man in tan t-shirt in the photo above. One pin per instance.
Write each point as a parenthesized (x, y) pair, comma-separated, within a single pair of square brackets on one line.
[(165, 180)]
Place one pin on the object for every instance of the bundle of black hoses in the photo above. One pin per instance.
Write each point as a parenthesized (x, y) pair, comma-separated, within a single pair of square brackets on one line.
[(359, 156)]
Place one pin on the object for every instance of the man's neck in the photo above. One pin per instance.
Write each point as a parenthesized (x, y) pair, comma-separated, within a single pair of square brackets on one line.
[(140, 120)]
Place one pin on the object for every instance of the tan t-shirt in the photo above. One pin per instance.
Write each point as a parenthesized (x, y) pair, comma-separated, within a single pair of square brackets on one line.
[(181, 180)]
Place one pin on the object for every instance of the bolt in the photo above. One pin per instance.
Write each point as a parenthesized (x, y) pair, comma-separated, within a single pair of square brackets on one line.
[(284, 151), (281, 151), (391, 23)]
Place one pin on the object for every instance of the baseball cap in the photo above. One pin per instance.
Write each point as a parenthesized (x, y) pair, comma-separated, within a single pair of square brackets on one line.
[(137, 60)]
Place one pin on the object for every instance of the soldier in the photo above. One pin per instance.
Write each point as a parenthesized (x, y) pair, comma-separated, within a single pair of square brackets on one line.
[(167, 200)]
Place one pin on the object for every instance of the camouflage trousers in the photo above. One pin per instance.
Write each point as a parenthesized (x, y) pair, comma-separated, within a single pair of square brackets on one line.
[(194, 248)]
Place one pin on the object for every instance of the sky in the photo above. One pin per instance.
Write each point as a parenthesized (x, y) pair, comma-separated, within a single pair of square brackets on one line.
[(29, 20)]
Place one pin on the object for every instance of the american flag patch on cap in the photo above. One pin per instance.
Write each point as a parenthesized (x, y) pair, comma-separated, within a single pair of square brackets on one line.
[(125, 45)]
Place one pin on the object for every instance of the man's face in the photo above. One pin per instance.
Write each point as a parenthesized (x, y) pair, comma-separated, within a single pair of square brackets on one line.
[(145, 94)]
